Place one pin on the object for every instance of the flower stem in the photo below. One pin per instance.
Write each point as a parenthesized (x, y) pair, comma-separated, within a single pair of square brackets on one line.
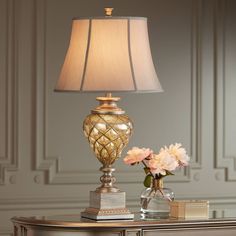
[(148, 168), (155, 189)]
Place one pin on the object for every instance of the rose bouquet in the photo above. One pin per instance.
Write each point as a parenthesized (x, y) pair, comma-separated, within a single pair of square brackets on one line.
[(157, 166)]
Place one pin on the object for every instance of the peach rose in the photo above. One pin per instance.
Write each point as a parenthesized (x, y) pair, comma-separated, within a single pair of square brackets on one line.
[(162, 162), (179, 153), (136, 155)]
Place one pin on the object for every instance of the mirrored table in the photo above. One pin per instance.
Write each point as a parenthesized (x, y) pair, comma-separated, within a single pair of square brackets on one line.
[(74, 225)]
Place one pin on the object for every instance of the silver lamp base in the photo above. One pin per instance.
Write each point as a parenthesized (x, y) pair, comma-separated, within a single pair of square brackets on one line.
[(107, 206)]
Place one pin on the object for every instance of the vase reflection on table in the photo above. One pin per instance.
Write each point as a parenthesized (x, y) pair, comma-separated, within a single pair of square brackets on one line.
[(155, 198)]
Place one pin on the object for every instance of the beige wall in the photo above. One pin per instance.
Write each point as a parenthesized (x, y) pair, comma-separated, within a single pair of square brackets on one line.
[(46, 165)]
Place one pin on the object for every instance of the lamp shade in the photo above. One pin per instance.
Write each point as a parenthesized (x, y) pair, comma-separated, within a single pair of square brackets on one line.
[(109, 54)]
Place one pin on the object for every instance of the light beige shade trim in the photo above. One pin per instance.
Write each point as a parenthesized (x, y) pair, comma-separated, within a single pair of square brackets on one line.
[(109, 54)]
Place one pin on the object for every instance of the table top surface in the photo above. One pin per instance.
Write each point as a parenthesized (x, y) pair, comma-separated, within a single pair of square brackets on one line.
[(75, 221)]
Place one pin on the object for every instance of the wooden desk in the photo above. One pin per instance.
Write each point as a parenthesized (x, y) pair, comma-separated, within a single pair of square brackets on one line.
[(73, 225)]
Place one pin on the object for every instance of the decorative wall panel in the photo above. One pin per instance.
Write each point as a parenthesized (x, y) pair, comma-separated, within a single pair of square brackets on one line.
[(225, 96), (8, 89), (55, 164)]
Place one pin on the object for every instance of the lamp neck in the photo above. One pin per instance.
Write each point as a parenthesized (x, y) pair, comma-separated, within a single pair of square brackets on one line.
[(108, 105)]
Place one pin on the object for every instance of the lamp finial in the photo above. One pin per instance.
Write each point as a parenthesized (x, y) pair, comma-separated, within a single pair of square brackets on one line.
[(108, 11)]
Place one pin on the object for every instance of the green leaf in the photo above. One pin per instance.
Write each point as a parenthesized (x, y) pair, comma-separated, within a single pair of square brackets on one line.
[(148, 180), (146, 170)]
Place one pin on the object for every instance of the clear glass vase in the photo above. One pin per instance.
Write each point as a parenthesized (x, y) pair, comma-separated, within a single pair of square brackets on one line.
[(155, 201)]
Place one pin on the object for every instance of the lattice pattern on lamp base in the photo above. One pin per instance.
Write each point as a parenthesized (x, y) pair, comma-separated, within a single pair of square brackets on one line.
[(107, 135)]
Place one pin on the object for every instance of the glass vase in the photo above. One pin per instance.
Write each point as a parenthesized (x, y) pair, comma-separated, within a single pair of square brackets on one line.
[(155, 201)]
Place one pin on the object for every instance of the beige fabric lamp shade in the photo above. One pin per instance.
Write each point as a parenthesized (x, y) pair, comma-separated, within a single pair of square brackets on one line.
[(109, 54)]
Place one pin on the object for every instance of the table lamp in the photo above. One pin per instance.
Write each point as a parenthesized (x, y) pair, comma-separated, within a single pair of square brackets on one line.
[(108, 54)]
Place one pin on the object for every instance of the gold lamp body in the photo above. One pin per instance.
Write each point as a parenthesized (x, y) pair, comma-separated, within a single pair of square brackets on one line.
[(107, 134), (108, 131)]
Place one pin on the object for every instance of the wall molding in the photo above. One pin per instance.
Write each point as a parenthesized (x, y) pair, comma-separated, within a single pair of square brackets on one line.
[(222, 161), (6, 231), (196, 84), (9, 162), (51, 165), (196, 95), (5, 88), (49, 203)]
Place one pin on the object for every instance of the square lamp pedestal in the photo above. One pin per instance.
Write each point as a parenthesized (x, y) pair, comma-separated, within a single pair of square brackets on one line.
[(107, 206)]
